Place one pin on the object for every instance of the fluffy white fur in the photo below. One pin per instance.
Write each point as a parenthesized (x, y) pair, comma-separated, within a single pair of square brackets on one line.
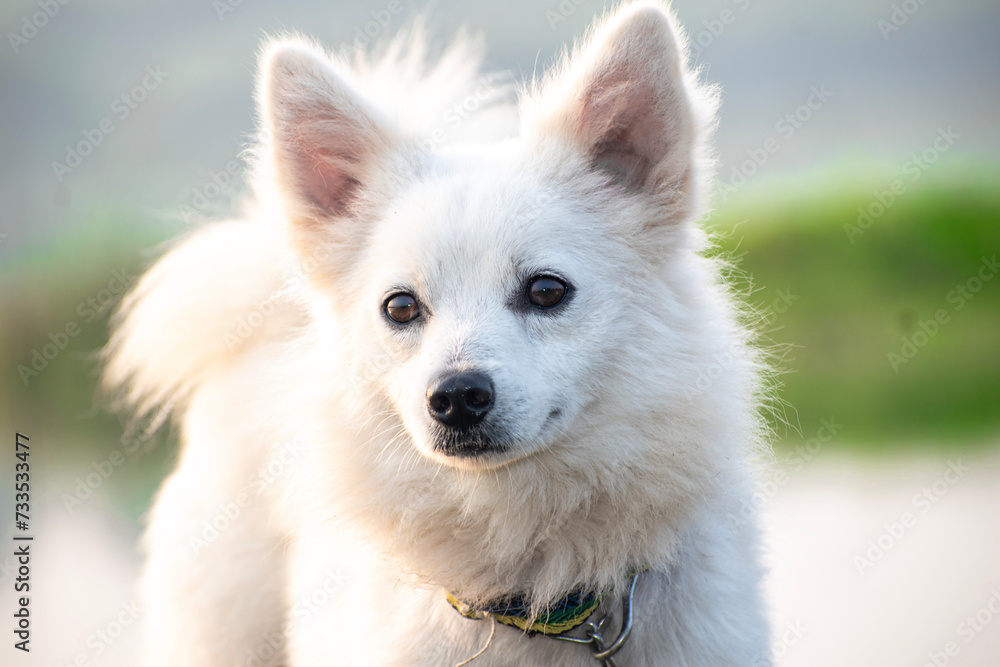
[(310, 437)]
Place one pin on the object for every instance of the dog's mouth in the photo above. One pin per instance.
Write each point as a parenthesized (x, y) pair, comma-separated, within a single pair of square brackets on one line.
[(476, 448), (490, 443), (469, 444), (481, 444)]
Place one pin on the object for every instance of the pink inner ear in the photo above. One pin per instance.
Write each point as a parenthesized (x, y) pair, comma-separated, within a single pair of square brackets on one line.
[(621, 120), (323, 157), (324, 184), (326, 141)]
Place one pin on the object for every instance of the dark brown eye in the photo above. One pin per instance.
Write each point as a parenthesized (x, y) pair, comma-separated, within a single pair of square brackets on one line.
[(401, 308), (546, 291)]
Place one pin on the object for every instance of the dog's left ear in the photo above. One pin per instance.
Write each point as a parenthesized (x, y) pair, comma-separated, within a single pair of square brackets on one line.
[(622, 101)]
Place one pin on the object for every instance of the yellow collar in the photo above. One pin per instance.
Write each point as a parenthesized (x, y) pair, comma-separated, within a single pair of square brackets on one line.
[(562, 616)]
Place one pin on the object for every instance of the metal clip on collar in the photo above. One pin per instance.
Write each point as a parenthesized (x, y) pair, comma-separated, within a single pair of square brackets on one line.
[(602, 653)]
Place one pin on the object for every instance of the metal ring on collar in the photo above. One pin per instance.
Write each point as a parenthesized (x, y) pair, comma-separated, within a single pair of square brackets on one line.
[(594, 638)]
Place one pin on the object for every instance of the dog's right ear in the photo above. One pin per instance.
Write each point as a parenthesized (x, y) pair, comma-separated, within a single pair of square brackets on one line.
[(622, 100), (326, 140)]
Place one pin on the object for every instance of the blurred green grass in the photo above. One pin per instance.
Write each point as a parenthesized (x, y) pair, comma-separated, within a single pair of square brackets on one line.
[(41, 292), (844, 307), (855, 298)]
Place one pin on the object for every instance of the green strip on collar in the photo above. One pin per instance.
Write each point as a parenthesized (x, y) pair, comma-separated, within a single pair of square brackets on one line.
[(563, 616)]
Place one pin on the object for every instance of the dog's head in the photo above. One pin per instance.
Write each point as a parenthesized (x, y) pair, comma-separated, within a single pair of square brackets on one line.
[(506, 298)]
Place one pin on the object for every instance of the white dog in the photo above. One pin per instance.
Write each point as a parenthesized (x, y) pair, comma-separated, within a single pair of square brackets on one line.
[(447, 394)]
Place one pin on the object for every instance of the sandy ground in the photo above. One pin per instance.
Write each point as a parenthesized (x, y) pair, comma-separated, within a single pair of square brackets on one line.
[(886, 563), (889, 563)]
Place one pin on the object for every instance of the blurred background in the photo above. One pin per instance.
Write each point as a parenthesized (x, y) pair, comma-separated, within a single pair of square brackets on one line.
[(859, 156)]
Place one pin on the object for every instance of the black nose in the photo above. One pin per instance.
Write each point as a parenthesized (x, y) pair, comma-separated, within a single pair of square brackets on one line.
[(460, 400)]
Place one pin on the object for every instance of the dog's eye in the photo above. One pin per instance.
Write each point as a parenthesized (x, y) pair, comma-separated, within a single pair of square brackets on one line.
[(401, 308), (546, 291)]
